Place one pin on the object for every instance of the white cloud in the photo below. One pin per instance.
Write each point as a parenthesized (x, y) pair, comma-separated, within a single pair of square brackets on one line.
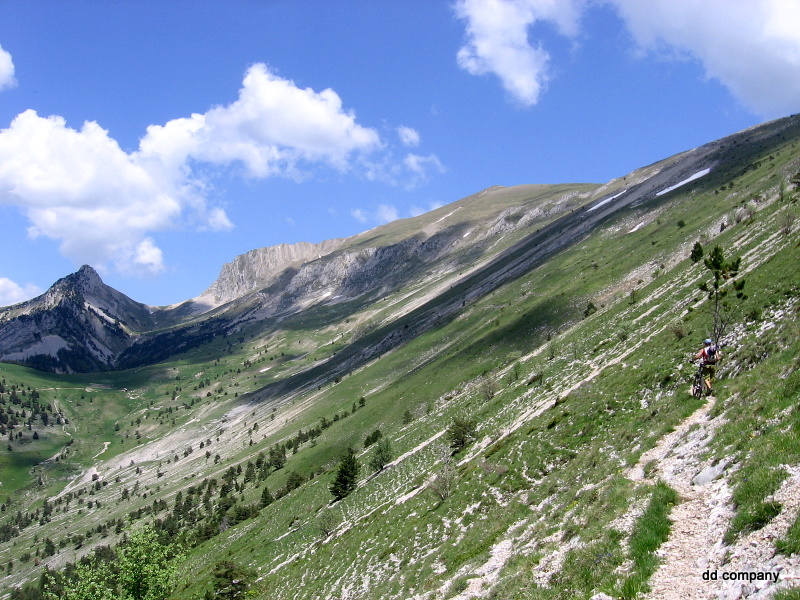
[(6, 70), (750, 46), (79, 187), (408, 137), (273, 128), (359, 215), (497, 41), (385, 213), (409, 173), (420, 168), (12, 293), (102, 204), (418, 210), (148, 256)]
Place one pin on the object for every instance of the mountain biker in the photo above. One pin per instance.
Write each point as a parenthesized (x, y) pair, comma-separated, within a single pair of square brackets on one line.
[(708, 356)]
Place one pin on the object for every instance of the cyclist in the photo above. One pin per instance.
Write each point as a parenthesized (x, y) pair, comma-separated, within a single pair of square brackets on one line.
[(708, 356)]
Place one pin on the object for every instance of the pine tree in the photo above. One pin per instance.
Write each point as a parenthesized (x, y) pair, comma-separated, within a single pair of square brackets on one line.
[(346, 477), (266, 497), (382, 455), (723, 308), (697, 252), (231, 581), (277, 457)]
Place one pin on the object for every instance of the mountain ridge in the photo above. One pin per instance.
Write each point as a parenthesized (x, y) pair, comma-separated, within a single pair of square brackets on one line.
[(278, 281), (552, 324)]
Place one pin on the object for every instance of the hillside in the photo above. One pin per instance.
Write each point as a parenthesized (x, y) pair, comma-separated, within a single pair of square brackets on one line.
[(552, 324)]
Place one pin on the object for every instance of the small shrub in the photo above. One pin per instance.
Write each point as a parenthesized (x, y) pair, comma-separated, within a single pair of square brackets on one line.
[(442, 484), (787, 221), (461, 433), (327, 522), (488, 386)]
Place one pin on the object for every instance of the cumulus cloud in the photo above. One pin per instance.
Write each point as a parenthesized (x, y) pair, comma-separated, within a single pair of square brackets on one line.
[(81, 188), (408, 136), (103, 204), (498, 43), (7, 79), (751, 46), (12, 293), (273, 128)]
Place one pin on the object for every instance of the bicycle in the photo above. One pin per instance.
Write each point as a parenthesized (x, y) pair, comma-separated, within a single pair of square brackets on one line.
[(698, 384)]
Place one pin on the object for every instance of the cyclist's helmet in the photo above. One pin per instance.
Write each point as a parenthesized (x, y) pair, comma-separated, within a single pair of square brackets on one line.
[(708, 342)]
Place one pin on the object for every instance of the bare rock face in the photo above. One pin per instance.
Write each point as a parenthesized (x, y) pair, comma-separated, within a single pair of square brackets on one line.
[(79, 324), (260, 268)]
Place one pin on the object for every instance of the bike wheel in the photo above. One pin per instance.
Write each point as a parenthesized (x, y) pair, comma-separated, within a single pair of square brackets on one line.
[(697, 387)]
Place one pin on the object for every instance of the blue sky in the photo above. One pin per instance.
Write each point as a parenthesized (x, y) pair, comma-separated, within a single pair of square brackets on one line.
[(158, 140)]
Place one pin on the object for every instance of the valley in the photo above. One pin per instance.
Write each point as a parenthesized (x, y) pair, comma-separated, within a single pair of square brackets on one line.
[(555, 323)]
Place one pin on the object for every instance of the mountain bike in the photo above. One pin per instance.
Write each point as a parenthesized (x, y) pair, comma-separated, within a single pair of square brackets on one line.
[(698, 384)]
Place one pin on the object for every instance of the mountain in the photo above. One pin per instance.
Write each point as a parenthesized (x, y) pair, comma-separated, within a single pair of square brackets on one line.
[(79, 324), (491, 400), (492, 236), (270, 284), (521, 225), (259, 268)]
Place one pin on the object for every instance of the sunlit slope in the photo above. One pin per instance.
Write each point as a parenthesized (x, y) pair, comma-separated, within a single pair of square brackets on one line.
[(565, 399)]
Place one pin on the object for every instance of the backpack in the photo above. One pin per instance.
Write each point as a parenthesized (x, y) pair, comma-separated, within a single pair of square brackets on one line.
[(710, 355)]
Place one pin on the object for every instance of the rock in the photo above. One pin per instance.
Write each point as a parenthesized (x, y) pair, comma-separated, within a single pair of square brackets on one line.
[(601, 596), (711, 472), (259, 268)]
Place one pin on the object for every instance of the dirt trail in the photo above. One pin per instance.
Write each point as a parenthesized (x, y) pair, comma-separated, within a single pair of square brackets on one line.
[(698, 519), (702, 516)]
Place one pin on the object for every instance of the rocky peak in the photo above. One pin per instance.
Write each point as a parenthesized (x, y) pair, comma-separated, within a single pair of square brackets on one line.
[(258, 268), (85, 280)]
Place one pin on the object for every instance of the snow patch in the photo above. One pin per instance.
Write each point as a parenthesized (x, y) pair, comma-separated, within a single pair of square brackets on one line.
[(607, 200), (697, 175)]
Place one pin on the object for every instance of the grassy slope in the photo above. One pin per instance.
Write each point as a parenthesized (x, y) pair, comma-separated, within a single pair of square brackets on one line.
[(544, 476)]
